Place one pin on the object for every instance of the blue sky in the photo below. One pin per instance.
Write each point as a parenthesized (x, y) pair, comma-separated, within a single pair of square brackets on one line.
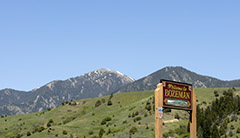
[(42, 41)]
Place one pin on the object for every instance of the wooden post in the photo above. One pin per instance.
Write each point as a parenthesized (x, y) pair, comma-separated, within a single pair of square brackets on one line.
[(193, 124), (158, 103)]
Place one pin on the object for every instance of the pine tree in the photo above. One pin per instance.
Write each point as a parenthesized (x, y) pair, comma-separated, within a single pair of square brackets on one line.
[(215, 133)]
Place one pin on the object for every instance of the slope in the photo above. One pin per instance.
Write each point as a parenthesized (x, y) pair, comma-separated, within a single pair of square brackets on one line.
[(130, 114)]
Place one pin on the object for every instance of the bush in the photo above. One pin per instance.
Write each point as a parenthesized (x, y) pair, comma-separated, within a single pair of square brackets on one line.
[(105, 120), (64, 132), (125, 122), (109, 131), (69, 119), (40, 129), (19, 135), (148, 107), (111, 96), (98, 103), (136, 113), (90, 132), (49, 123), (145, 114), (167, 110), (109, 103), (177, 116), (137, 119), (103, 100), (238, 130), (133, 130), (28, 133), (216, 93), (101, 132)]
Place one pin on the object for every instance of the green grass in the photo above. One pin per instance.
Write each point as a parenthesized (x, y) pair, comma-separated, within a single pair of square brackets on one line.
[(85, 117)]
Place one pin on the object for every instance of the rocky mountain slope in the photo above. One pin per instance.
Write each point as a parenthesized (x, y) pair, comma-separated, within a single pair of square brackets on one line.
[(93, 84), (179, 74)]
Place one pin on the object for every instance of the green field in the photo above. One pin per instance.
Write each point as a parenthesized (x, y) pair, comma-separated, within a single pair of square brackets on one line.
[(131, 114)]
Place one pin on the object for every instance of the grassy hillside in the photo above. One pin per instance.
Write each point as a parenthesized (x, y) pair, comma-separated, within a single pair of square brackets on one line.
[(129, 115)]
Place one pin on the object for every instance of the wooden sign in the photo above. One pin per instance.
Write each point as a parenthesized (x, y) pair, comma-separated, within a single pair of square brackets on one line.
[(174, 95), (177, 95)]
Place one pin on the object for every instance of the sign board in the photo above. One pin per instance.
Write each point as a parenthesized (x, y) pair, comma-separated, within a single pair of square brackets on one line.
[(177, 95)]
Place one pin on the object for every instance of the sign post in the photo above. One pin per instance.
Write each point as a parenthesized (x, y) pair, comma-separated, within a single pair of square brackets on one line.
[(193, 123), (174, 95), (158, 104)]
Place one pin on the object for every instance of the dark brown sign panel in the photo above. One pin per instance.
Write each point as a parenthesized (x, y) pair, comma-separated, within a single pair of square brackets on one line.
[(177, 95)]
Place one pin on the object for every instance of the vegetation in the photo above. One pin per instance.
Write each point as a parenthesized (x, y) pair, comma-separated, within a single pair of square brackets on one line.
[(135, 117)]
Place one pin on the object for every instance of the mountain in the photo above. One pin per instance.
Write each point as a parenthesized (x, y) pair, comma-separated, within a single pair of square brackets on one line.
[(93, 84), (179, 74), (96, 84)]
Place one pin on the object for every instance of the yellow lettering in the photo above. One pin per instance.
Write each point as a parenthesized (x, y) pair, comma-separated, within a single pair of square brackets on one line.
[(188, 96)]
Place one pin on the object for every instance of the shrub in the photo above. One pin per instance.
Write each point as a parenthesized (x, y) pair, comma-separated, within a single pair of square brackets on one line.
[(64, 132), (105, 120), (49, 123), (133, 130), (101, 132), (103, 100), (133, 114), (109, 103), (137, 119), (177, 116), (90, 132), (69, 119), (40, 129), (145, 114), (148, 107), (28, 133), (238, 130), (109, 131), (167, 110), (136, 113), (230, 133), (98, 103), (111, 96), (216, 93), (19, 135)]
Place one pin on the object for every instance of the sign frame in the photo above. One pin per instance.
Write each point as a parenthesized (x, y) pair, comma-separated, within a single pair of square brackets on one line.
[(173, 106), (159, 104)]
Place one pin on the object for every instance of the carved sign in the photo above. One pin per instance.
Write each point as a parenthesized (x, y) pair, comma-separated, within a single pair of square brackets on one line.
[(177, 95)]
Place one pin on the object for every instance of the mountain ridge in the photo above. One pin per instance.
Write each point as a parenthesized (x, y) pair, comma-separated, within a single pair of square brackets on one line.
[(96, 84), (92, 84), (179, 74)]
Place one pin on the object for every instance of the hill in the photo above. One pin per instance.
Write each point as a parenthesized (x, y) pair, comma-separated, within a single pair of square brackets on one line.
[(179, 74), (93, 84), (96, 84), (128, 114)]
